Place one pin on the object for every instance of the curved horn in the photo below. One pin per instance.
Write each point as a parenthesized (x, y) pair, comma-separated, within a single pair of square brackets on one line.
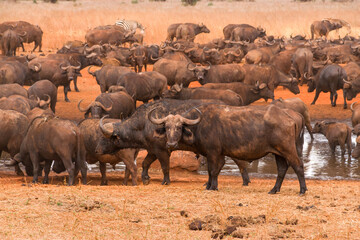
[(191, 69), (306, 75), (190, 49), (49, 99), (23, 34), (346, 81), (192, 121), (84, 109), (103, 107), (154, 59), (208, 67), (270, 43), (155, 120), (91, 73), (64, 68), (352, 106), (77, 67), (107, 129)]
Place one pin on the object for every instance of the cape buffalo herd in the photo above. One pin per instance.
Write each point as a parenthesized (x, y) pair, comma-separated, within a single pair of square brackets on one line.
[(215, 120)]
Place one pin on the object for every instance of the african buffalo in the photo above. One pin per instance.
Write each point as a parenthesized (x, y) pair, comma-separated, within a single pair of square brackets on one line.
[(7, 90), (323, 27), (337, 134), (60, 72), (302, 61), (21, 104), (49, 139), (115, 104), (175, 71), (271, 76), (297, 105), (218, 73), (248, 93), (13, 128), (263, 55), (10, 40), (78, 59), (138, 57), (227, 96), (143, 86), (256, 134), (138, 132), (108, 75), (329, 79), (89, 128), (33, 33), (44, 89), (186, 31), (355, 117), (14, 72), (243, 32), (108, 34)]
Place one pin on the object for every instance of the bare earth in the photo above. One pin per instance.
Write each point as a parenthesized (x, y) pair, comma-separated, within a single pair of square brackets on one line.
[(329, 210)]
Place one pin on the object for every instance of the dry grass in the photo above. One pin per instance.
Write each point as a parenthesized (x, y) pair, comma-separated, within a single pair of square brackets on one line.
[(69, 20), (153, 212)]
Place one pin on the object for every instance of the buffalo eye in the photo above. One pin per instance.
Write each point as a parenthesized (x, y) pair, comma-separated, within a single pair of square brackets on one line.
[(186, 131), (161, 130)]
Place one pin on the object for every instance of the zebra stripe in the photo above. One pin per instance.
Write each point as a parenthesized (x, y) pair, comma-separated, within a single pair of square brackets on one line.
[(130, 25)]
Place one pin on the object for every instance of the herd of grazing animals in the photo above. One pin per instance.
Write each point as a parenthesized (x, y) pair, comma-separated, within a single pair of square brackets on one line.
[(215, 120)]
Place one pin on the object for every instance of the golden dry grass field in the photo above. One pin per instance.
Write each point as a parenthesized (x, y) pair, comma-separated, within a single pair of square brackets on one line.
[(329, 210)]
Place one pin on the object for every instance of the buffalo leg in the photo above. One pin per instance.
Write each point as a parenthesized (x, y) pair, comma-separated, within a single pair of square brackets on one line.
[(164, 158), (131, 168), (75, 84), (216, 163), (66, 89), (103, 174), (316, 96), (299, 170), (70, 168), (47, 171), (149, 159), (282, 168), (22, 45), (345, 103), (244, 174), (36, 166)]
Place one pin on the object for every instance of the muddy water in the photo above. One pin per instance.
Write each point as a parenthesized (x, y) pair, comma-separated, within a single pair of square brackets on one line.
[(318, 161)]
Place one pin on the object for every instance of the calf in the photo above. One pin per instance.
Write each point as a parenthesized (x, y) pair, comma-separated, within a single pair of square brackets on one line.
[(336, 134)]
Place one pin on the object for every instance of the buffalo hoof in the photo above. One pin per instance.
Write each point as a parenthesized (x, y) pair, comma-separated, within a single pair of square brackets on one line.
[(69, 89), (273, 191), (245, 184), (67, 100), (45, 181), (312, 103), (164, 182), (125, 183), (146, 180), (104, 183), (213, 189), (19, 173), (345, 107), (77, 90)]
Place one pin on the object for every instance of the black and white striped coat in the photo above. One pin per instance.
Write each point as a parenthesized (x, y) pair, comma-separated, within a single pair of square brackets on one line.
[(130, 25)]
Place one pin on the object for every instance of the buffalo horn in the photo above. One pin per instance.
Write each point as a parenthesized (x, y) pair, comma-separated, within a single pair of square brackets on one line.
[(192, 121), (64, 68), (191, 69), (156, 121), (84, 109), (107, 129), (103, 107), (352, 106), (91, 73)]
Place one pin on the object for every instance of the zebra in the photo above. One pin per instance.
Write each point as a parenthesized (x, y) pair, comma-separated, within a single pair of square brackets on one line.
[(130, 25)]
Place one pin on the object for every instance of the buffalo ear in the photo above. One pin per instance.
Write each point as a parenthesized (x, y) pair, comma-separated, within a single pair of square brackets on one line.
[(188, 136), (159, 132)]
